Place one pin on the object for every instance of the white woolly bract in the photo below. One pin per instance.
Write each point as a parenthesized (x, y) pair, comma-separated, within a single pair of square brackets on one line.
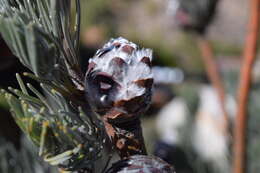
[(171, 120), (211, 144), (209, 102), (210, 138), (120, 40), (143, 53), (209, 141)]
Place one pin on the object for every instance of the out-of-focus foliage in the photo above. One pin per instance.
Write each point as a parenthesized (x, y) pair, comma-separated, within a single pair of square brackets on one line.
[(3, 103), (147, 22), (253, 135), (25, 160)]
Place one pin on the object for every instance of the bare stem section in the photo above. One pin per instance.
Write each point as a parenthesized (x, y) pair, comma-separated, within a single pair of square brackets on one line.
[(239, 162), (126, 137), (213, 73)]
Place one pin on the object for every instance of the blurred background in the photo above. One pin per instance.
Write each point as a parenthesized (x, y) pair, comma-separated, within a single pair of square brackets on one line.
[(185, 124)]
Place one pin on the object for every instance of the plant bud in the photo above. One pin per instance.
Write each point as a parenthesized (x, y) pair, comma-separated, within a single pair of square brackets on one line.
[(119, 80)]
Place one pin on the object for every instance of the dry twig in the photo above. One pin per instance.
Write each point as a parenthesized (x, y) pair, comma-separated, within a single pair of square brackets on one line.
[(213, 73), (239, 162)]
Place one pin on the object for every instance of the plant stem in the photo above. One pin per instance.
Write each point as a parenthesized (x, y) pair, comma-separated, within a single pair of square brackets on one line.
[(126, 137), (239, 155), (213, 74)]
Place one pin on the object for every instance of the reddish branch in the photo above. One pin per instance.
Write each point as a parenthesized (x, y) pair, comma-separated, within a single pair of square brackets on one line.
[(239, 162), (213, 73)]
